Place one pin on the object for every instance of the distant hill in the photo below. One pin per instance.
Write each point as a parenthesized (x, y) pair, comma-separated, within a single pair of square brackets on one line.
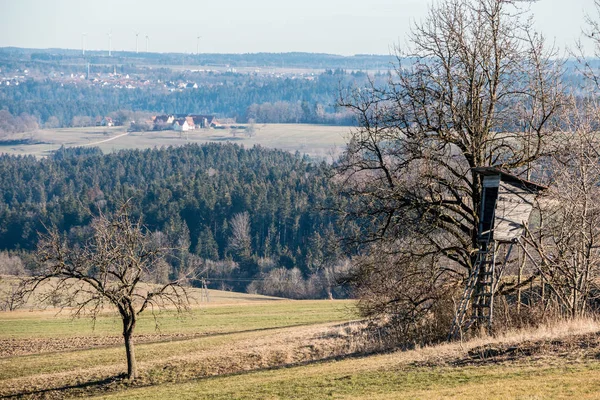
[(286, 60)]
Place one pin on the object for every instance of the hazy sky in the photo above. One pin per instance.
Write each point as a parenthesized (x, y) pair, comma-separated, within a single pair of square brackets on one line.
[(242, 26)]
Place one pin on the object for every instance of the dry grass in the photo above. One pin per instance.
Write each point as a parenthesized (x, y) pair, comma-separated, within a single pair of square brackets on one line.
[(172, 362), (556, 361), (254, 358)]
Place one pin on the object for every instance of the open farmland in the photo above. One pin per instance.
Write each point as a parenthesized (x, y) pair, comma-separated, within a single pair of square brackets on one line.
[(252, 347), (318, 141), (52, 356), (558, 362)]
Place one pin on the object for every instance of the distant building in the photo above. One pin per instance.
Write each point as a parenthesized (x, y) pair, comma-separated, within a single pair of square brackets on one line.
[(190, 122), (181, 125), (107, 121), (184, 122), (164, 119), (204, 121)]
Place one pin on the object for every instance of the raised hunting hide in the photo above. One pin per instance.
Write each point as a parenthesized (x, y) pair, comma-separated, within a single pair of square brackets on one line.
[(506, 204)]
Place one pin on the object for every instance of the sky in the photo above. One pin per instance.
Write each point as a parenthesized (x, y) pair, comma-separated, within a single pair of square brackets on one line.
[(343, 27)]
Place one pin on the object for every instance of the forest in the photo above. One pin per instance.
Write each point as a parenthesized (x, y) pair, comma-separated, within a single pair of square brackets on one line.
[(237, 214)]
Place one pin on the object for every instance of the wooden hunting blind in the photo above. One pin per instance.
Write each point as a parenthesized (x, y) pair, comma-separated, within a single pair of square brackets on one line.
[(506, 204)]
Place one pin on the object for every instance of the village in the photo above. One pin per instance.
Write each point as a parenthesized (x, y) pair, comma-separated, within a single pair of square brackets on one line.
[(174, 122), (127, 77), (185, 122)]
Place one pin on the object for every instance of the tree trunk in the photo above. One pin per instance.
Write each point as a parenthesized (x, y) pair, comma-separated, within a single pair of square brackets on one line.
[(128, 326), (522, 261), (329, 293)]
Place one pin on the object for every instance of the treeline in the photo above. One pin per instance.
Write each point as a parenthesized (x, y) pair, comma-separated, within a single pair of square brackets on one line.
[(238, 214), (243, 97), (16, 123), (54, 57)]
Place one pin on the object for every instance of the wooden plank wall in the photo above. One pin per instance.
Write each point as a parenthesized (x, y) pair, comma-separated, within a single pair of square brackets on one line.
[(513, 208)]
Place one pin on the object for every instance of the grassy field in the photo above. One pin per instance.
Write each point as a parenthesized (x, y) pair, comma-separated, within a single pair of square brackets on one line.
[(318, 141), (252, 347), (377, 378), (43, 354), (556, 363)]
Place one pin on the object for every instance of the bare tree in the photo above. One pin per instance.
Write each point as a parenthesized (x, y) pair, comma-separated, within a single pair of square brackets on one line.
[(240, 241), (11, 264), (591, 35), (475, 88), (567, 243), (565, 246), (109, 270), (251, 128)]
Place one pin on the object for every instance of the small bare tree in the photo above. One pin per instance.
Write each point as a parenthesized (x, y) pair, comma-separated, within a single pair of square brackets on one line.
[(109, 270), (251, 128), (10, 296)]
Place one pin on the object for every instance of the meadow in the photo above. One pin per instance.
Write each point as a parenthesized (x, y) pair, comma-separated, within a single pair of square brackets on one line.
[(239, 346), (321, 142), (47, 354)]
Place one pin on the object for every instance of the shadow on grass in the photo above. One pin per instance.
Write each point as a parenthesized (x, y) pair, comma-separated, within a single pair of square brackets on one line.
[(226, 139), (120, 382), (19, 142), (148, 377), (110, 384)]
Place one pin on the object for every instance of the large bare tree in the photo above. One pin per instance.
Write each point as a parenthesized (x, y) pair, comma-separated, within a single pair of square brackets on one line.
[(113, 269), (475, 87)]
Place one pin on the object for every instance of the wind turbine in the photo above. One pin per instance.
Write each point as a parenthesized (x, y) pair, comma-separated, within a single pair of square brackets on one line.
[(198, 44), (147, 38), (83, 35), (136, 41), (110, 43)]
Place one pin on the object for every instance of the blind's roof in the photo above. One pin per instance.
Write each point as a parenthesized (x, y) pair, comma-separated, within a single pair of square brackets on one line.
[(508, 177)]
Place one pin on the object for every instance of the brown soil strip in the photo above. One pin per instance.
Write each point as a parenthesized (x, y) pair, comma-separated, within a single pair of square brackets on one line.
[(23, 347)]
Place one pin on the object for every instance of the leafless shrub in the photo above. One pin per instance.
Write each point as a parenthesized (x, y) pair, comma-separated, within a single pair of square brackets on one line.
[(11, 265), (10, 294), (281, 282), (220, 269), (409, 294)]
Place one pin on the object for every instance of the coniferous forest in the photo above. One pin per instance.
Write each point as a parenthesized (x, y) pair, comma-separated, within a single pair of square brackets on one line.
[(238, 213)]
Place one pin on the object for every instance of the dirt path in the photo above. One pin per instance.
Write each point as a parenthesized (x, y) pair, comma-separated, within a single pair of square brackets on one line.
[(106, 140), (23, 347)]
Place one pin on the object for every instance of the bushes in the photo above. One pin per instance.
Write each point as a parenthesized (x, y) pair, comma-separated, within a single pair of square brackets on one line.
[(11, 265), (290, 283), (16, 124)]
